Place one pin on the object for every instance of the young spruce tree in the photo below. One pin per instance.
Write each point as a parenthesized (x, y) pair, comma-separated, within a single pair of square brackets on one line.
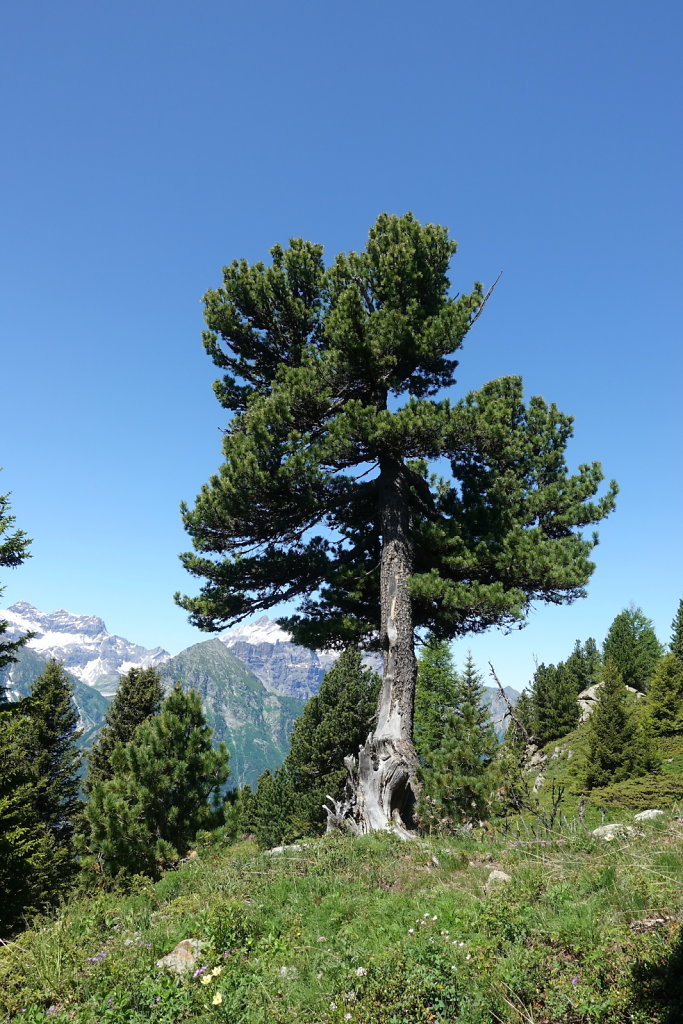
[(457, 782), (56, 758), (335, 722), (676, 642), (137, 698), (618, 748), (664, 702), (436, 693), (632, 644), (30, 860), (165, 788)]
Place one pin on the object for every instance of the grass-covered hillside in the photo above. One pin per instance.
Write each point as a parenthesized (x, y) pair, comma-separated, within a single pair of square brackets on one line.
[(374, 930), (566, 765)]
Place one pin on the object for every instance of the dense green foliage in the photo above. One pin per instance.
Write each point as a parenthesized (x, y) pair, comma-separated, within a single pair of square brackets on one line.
[(676, 642), (665, 696), (631, 643), (331, 375), (457, 778), (554, 689), (334, 723), (164, 789), (288, 802), (435, 696), (137, 698), (13, 550), (29, 855), (618, 746), (56, 760)]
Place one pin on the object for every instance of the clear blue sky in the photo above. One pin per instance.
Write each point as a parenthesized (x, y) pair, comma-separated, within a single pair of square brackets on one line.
[(146, 145)]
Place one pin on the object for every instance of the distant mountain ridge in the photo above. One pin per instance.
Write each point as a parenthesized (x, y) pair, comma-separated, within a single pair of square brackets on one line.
[(82, 643), (282, 666), (253, 680), (256, 725)]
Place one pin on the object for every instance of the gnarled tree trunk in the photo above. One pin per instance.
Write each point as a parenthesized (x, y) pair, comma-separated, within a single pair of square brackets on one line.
[(381, 787)]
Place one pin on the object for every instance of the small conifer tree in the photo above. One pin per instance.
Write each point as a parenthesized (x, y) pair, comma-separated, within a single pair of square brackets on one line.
[(618, 748), (13, 551), (56, 758), (164, 789), (631, 643), (664, 712), (334, 722), (435, 696), (457, 783), (29, 857), (676, 643), (137, 698), (274, 818), (553, 696)]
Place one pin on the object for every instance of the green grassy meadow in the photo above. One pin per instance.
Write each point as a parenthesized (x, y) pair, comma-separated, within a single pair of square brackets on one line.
[(375, 931)]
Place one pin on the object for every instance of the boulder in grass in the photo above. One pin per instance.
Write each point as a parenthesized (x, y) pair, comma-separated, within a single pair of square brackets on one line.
[(183, 958), (609, 833), (649, 815), (497, 878)]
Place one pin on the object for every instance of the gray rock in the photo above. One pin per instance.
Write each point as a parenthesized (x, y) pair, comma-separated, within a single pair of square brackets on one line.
[(183, 958), (648, 815), (616, 831), (497, 878), (587, 700), (539, 783), (294, 848)]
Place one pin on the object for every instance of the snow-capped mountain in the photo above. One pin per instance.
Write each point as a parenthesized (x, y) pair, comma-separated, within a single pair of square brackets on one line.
[(81, 643), (282, 666)]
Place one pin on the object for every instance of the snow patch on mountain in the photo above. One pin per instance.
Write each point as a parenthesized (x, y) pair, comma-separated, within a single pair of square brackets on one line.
[(81, 643), (261, 631)]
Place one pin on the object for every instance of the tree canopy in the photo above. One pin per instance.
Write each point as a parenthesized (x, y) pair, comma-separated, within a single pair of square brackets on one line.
[(632, 644), (331, 375), (334, 491)]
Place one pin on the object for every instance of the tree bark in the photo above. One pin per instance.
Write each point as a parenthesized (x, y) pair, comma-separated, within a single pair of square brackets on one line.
[(381, 789)]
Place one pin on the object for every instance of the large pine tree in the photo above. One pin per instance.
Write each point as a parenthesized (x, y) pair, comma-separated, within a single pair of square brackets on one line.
[(632, 645), (137, 698), (327, 495), (165, 787), (56, 759)]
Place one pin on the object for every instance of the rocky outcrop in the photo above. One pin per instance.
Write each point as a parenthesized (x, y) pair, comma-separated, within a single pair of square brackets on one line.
[(587, 700)]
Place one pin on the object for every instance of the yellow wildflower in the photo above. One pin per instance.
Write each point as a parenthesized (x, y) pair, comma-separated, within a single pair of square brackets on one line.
[(216, 971), (217, 999), (207, 979)]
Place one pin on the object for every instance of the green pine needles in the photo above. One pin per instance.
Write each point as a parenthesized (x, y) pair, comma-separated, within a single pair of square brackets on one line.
[(619, 747), (332, 376), (13, 550), (457, 776), (137, 698), (165, 787)]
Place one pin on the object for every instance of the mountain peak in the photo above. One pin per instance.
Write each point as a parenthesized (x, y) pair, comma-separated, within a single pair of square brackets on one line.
[(81, 642), (259, 631)]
